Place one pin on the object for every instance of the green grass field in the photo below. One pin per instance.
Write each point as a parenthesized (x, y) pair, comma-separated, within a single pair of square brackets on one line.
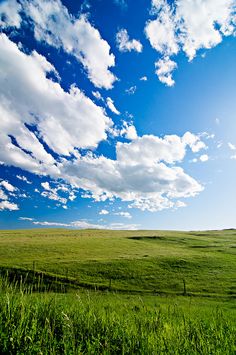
[(118, 292)]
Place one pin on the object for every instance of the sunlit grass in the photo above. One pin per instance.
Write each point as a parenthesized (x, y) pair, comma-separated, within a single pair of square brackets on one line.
[(117, 292), (145, 261), (107, 323)]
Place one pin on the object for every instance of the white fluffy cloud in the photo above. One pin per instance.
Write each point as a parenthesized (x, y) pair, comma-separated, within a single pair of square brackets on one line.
[(202, 24), (42, 127), (7, 205), (164, 69), (6, 192), (144, 173), (125, 44), (104, 212), (204, 158), (9, 14), (61, 118), (9, 187), (59, 192), (161, 31), (3, 195), (189, 25), (54, 25), (128, 131), (194, 142)]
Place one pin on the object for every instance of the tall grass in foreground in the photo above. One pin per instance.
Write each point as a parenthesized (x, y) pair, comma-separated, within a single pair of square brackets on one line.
[(91, 323)]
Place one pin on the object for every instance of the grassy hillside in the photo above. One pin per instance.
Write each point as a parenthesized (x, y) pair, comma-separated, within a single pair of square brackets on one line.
[(157, 262), (127, 292)]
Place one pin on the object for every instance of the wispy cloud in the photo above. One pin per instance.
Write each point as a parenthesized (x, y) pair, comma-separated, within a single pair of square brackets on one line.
[(131, 90), (123, 214), (26, 219), (87, 225), (110, 104)]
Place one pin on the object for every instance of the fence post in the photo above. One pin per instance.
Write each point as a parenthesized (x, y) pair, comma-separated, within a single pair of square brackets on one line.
[(185, 291)]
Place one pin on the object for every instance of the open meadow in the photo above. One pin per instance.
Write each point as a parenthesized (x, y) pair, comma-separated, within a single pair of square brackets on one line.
[(117, 118), (117, 292)]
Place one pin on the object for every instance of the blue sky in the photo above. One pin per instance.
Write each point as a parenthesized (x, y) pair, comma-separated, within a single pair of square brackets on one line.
[(118, 114)]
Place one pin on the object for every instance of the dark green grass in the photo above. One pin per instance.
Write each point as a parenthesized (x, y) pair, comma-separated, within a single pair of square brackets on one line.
[(108, 323)]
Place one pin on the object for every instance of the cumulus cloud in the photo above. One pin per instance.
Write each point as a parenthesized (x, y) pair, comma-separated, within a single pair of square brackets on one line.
[(128, 131), (55, 193), (189, 25), (194, 142), (9, 187), (42, 127), (143, 78), (7, 205), (151, 149), (161, 31), (10, 14), (164, 69), (30, 99), (202, 24), (3, 195), (6, 192), (204, 158), (110, 104), (125, 44), (54, 25), (144, 173)]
